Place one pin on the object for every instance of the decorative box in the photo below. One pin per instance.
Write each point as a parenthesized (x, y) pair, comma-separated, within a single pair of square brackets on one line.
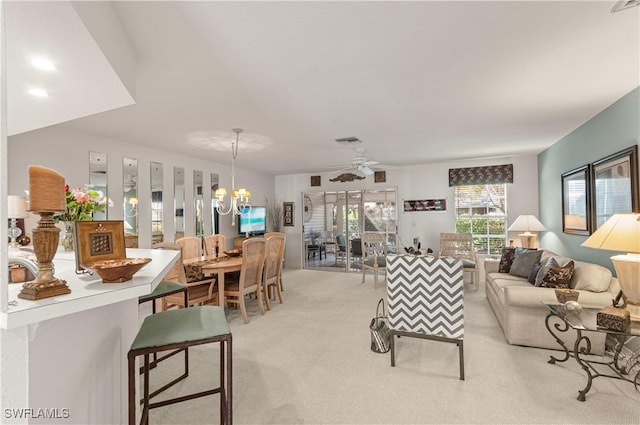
[(616, 319), (563, 295)]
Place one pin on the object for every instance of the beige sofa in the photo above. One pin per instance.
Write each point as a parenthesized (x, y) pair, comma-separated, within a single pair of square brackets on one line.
[(519, 308)]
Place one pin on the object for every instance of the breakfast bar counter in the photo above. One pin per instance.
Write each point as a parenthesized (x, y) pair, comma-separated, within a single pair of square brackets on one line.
[(66, 355)]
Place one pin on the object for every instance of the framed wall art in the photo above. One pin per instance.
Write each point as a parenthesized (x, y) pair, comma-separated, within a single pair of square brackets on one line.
[(316, 180), (576, 202), (615, 185), (380, 176), (287, 211), (425, 205)]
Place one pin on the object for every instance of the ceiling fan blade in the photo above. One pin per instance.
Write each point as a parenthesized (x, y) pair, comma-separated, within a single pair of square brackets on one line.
[(366, 170), (369, 163)]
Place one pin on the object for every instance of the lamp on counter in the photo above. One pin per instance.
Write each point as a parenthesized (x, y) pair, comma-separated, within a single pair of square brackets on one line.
[(17, 209), (527, 224), (238, 198), (46, 197), (621, 232)]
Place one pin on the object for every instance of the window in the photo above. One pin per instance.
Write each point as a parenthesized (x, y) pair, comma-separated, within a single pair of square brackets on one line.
[(481, 210)]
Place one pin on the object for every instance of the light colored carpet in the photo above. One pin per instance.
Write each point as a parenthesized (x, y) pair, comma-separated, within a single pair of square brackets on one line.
[(308, 361)]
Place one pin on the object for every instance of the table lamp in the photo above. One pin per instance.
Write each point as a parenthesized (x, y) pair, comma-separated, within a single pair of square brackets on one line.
[(527, 224), (621, 232), (17, 208)]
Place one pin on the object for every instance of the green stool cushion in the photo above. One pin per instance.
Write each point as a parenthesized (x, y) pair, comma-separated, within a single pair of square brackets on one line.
[(468, 264), (181, 325), (164, 288)]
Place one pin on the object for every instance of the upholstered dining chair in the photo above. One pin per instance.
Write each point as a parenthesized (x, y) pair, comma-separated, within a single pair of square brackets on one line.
[(215, 245), (273, 266), (460, 245), (199, 292), (251, 275), (374, 254)]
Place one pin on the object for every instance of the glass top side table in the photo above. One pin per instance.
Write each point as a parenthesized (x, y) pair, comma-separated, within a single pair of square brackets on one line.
[(593, 366)]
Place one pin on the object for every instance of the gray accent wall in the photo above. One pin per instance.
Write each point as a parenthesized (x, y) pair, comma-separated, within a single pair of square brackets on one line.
[(610, 131)]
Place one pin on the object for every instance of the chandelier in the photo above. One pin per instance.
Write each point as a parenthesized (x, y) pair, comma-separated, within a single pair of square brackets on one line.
[(239, 200)]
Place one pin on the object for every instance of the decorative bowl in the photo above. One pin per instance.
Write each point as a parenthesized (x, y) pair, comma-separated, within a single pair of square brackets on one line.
[(234, 252), (117, 271), (563, 295)]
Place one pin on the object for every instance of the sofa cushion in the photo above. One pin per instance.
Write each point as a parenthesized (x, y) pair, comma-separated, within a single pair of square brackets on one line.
[(556, 276), (590, 277), (506, 259), (524, 261)]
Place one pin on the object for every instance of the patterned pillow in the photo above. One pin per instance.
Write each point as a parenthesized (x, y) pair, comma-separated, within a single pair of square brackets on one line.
[(557, 277), (506, 260), (524, 261)]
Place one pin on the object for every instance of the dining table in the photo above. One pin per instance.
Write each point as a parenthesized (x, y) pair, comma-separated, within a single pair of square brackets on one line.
[(218, 266)]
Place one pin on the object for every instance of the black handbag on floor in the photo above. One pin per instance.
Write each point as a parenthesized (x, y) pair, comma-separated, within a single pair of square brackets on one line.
[(380, 331)]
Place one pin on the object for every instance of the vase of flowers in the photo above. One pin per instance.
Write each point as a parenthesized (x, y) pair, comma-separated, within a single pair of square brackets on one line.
[(81, 204)]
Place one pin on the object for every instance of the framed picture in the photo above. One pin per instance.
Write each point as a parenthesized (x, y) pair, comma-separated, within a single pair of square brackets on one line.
[(425, 205), (98, 241), (380, 176), (316, 180), (287, 211), (576, 201), (615, 185)]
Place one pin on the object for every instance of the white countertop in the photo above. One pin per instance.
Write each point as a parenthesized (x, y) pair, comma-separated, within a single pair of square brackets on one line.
[(87, 291)]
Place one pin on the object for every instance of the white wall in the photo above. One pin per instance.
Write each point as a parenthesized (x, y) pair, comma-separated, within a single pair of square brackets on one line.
[(67, 152), (428, 181)]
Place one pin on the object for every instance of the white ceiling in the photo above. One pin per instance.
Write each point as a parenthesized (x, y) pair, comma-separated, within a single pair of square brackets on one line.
[(417, 82)]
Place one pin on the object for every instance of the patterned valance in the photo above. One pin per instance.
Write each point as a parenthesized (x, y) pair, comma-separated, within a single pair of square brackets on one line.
[(481, 175)]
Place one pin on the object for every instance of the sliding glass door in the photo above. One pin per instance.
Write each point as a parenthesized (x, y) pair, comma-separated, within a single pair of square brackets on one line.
[(332, 231)]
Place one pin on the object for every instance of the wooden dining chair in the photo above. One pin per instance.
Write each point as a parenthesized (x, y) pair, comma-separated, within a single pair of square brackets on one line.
[(191, 247), (215, 245), (199, 292), (250, 278), (460, 245), (273, 266)]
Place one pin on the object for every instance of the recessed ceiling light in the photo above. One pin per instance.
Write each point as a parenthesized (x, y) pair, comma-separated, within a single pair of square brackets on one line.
[(43, 64), (38, 92)]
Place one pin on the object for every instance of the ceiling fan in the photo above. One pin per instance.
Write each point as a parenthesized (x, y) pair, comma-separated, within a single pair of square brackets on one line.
[(360, 163)]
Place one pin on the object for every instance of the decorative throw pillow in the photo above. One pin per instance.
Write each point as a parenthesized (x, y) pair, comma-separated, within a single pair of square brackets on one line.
[(558, 277), (524, 261), (543, 270), (506, 260), (534, 272)]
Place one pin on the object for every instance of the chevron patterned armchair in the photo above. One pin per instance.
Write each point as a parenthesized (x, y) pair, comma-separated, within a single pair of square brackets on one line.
[(426, 300)]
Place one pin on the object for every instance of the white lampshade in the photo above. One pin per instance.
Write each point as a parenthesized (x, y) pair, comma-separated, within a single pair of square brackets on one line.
[(527, 223), (17, 207), (621, 232)]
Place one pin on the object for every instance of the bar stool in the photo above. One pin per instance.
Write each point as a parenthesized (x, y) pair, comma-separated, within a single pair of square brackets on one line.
[(177, 329), (165, 288)]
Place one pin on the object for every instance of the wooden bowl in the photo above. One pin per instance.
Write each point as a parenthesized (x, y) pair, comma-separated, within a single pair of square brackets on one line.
[(234, 252), (117, 271)]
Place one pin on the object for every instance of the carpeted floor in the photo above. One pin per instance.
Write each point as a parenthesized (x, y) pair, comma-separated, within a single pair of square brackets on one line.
[(308, 361)]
